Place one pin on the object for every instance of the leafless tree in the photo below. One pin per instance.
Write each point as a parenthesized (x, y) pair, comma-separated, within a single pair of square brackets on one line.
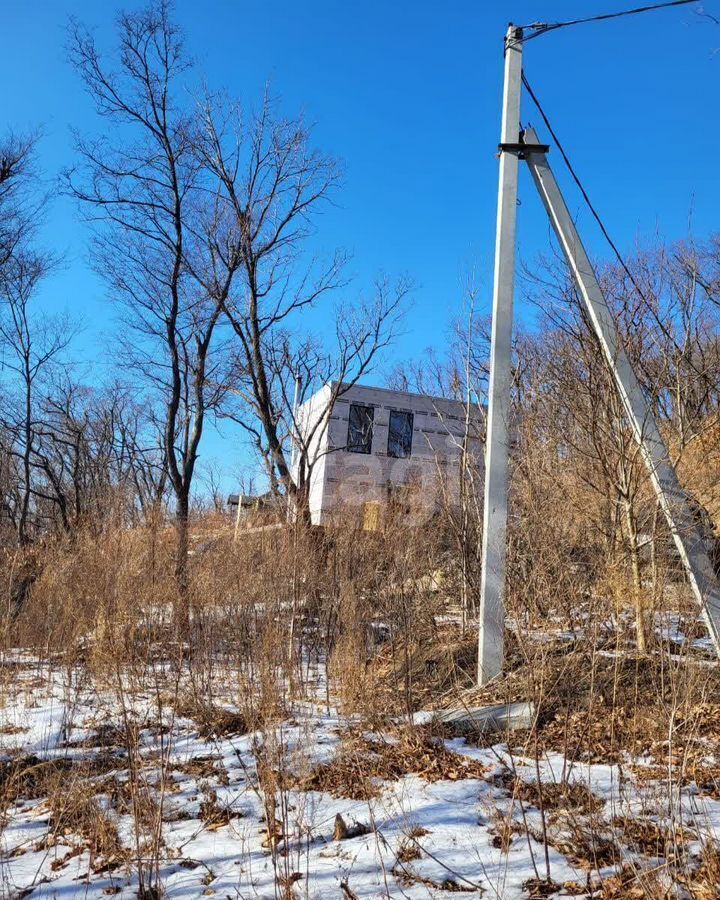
[(461, 373), (299, 368), (32, 345), (143, 188), (96, 457), (273, 183), (273, 186), (139, 448), (21, 203), (683, 364)]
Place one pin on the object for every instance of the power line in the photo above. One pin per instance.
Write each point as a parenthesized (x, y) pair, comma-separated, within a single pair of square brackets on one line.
[(576, 179), (539, 28)]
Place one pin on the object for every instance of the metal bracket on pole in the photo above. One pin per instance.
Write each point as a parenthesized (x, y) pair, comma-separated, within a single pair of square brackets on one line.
[(672, 498), (522, 148), (492, 585)]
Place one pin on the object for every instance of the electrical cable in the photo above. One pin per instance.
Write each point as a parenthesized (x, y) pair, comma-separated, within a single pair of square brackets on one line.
[(576, 179), (539, 28)]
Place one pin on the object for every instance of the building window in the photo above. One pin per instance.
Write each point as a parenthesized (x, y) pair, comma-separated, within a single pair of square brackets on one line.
[(360, 428), (400, 434)]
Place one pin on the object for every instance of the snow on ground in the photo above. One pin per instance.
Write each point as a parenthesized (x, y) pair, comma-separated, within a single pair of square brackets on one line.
[(672, 627), (415, 839)]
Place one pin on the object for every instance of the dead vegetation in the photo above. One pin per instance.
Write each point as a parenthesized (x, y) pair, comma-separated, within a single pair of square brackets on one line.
[(361, 764), (74, 810), (390, 643), (33, 777), (574, 797), (212, 721)]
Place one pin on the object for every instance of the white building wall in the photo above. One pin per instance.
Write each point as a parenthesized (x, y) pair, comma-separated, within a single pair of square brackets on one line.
[(307, 416), (344, 481)]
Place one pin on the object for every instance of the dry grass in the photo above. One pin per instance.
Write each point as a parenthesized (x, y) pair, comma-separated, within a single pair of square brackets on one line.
[(570, 796), (272, 611), (212, 721), (32, 778), (361, 764), (76, 811), (215, 815)]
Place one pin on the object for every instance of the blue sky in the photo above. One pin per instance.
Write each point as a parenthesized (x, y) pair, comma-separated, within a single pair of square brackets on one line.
[(407, 95)]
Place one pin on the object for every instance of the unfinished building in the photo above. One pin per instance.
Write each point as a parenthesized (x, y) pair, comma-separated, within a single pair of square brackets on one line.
[(377, 449)]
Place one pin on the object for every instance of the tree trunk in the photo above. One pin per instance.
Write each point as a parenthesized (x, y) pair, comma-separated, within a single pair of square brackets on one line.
[(654, 554), (300, 499), (640, 624), (182, 576), (26, 456)]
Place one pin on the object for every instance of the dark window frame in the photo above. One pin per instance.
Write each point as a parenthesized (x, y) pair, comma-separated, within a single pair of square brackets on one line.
[(355, 429), (400, 438)]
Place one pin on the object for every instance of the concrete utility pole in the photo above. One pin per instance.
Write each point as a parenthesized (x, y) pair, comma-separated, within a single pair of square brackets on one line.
[(673, 500), (492, 585)]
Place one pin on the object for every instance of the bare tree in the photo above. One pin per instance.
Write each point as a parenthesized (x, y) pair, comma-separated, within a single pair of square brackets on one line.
[(273, 186), (32, 343), (139, 453), (143, 188), (21, 204), (460, 373), (96, 457), (362, 331)]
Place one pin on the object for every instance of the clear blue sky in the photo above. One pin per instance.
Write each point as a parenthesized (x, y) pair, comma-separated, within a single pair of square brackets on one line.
[(407, 94)]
